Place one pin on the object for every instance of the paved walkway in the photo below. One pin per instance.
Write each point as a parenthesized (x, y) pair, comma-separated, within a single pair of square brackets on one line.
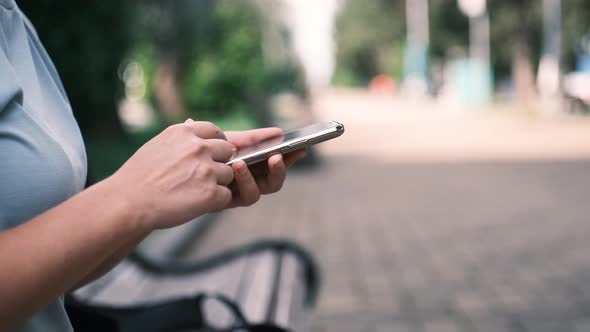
[(420, 240)]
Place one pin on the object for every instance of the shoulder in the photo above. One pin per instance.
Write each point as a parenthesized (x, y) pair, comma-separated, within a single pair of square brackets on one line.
[(30, 27)]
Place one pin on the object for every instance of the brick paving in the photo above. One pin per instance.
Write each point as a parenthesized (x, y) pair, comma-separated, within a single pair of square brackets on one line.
[(470, 244)]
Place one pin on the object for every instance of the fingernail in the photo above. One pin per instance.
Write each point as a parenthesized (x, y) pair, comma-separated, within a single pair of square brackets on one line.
[(276, 160), (241, 167)]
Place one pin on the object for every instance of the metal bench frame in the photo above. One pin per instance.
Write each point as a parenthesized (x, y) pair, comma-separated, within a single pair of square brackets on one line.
[(183, 313)]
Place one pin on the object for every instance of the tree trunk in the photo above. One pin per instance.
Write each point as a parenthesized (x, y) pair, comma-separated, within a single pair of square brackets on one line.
[(167, 89), (522, 68), (167, 81)]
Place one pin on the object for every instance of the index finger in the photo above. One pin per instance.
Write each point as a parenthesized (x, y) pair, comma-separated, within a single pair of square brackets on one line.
[(221, 150), (204, 129), (249, 137)]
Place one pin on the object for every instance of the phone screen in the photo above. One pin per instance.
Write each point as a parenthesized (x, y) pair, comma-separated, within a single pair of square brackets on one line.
[(287, 137)]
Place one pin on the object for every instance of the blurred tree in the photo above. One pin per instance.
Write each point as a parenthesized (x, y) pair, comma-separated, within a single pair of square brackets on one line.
[(281, 62), (364, 27), (575, 24), (275, 33), (449, 29), (370, 36), (229, 68), (521, 20), (176, 29), (205, 59), (517, 36)]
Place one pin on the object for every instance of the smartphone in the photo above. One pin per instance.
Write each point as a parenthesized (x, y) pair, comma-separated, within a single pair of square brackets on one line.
[(289, 142)]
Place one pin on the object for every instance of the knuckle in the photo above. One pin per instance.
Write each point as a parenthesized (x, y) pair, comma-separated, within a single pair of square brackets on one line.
[(228, 170), (229, 175), (227, 196), (210, 191), (207, 170), (200, 147), (222, 198), (228, 148), (169, 130), (179, 128), (211, 126)]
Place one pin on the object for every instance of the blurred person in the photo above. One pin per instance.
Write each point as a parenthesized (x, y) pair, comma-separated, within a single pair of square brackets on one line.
[(55, 236)]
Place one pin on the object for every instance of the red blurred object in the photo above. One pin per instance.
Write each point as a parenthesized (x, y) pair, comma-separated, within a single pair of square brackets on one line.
[(382, 85)]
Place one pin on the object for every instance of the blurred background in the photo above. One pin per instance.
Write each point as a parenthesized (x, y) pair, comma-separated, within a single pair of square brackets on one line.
[(458, 198)]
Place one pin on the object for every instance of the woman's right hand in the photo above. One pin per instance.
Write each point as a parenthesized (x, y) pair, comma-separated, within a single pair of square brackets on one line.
[(178, 175)]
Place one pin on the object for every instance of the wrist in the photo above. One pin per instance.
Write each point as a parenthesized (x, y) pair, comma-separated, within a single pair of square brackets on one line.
[(131, 206)]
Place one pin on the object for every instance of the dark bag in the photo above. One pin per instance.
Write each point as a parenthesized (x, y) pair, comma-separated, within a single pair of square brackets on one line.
[(173, 316)]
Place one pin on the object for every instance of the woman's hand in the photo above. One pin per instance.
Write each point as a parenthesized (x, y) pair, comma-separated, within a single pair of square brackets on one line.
[(181, 173), (262, 178), (178, 175)]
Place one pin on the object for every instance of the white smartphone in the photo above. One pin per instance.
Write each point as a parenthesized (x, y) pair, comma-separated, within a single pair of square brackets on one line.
[(289, 142)]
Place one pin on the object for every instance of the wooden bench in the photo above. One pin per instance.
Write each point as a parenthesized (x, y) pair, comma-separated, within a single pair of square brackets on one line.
[(271, 281)]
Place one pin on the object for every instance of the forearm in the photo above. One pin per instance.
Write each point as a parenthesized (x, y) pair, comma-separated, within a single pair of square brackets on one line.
[(111, 261), (43, 258)]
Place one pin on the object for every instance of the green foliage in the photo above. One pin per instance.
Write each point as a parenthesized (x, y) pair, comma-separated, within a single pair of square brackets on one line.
[(369, 35), (218, 45), (230, 66)]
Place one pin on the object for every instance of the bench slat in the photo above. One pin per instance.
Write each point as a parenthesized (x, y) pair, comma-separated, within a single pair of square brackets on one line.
[(128, 284), (287, 283), (223, 280), (256, 290)]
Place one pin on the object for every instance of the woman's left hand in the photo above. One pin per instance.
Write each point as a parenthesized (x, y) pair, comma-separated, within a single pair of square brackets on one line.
[(262, 178)]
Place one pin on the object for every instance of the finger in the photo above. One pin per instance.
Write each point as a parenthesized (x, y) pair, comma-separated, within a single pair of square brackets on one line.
[(224, 174), (259, 169), (222, 198), (292, 157), (204, 129), (221, 150), (277, 173), (246, 138), (245, 185)]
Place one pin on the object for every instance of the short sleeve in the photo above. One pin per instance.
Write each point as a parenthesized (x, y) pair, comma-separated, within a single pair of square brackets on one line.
[(10, 90)]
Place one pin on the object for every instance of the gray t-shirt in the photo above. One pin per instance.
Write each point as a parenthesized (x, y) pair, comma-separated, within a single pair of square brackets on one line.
[(42, 156)]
